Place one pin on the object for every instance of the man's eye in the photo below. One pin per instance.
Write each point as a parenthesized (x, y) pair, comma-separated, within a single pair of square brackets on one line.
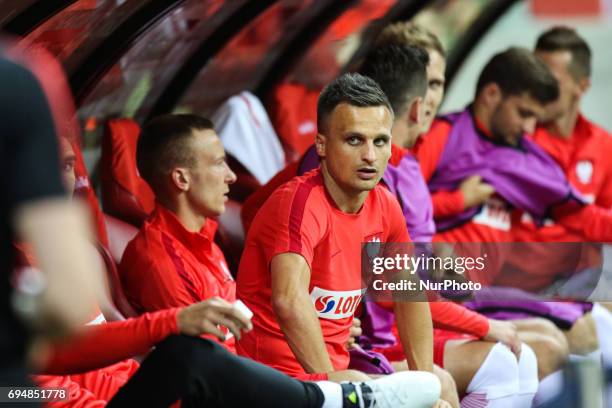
[(435, 84), (353, 141), (380, 141)]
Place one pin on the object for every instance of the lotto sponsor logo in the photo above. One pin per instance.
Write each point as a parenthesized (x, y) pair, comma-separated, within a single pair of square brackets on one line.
[(335, 305)]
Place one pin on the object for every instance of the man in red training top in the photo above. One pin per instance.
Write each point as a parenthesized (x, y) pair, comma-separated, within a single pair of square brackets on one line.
[(582, 149), (301, 269), (579, 146), (485, 143), (102, 369), (173, 260)]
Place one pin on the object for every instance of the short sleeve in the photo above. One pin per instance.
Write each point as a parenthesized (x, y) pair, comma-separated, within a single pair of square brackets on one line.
[(293, 221)]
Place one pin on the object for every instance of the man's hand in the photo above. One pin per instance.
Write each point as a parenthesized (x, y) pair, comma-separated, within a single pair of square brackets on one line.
[(205, 317), (506, 333), (354, 332), (475, 191)]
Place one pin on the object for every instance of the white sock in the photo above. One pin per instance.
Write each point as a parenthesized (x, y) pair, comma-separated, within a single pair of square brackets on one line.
[(496, 383), (528, 377), (594, 356), (332, 392), (603, 325), (550, 386)]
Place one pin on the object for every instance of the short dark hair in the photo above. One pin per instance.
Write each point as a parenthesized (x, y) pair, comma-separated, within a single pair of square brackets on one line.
[(567, 39), (517, 71), (163, 144), (401, 72), (409, 34), (353, 89)]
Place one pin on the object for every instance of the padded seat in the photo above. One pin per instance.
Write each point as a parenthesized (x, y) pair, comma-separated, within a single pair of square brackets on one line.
[(125, 194)]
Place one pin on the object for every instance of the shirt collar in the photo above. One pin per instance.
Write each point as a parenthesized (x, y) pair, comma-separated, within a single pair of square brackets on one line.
[(170, 223)]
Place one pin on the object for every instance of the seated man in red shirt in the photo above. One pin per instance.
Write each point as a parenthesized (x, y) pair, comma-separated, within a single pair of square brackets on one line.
[(300, 271), (101, 369), (173, 261), (486, 143), (582, 149), (404, 84)]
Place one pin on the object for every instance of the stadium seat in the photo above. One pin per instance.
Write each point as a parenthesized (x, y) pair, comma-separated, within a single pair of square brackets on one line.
[(119, 235), (124, 194), (117, 307)]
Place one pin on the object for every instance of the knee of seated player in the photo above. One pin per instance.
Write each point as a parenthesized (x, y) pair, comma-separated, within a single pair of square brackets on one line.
[(186, 355), (498, 376), (551, 353), (461, 368), (582, 336)]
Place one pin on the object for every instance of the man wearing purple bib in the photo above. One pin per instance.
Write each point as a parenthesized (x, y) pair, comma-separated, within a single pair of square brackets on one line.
[(493, 373)]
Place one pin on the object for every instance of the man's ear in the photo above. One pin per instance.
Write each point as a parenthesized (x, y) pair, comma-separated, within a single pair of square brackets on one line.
[(415, 111), (180, 178), (584, 84), (320, 144), (492, 94)]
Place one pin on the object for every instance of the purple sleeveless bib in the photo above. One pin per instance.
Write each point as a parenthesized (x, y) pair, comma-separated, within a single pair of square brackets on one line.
[(376, 324), (525, 176), (407, 183)]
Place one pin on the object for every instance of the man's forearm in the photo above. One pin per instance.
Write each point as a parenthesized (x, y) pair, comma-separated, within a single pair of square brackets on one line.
[(416, 333), (594, 223), (300, 324)]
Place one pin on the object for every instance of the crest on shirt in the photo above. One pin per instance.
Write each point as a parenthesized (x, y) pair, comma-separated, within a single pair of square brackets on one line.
[(372, 245), (584, 171)]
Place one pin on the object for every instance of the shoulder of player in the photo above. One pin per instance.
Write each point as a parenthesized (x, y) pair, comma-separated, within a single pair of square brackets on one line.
[(385, 197), (590, 128), (146, 247), (298, 188)]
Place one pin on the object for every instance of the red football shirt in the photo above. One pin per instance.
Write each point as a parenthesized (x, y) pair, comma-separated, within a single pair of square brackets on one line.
[(584, 157), (301, 218), (167, 266)]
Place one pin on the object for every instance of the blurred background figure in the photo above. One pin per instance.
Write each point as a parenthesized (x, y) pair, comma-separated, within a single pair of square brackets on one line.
[(35, 210)]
